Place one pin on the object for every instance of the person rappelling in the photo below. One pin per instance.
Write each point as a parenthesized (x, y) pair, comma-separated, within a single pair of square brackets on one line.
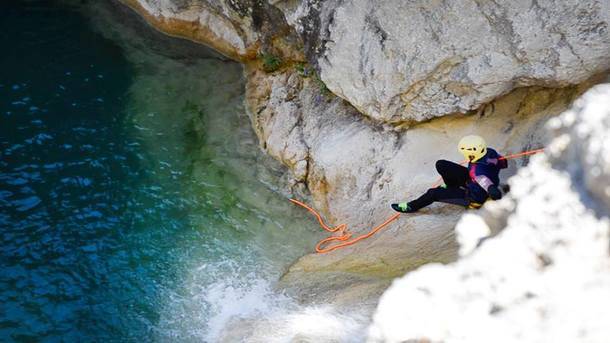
[(467, 186)]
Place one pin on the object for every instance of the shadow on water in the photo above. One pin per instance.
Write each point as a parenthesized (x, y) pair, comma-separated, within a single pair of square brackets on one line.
[(133, 197)]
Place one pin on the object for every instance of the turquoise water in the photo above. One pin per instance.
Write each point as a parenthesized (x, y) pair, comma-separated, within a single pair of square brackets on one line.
[(135, 204)]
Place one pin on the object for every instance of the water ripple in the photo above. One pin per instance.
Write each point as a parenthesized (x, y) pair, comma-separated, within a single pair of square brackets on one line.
[(122, 173)]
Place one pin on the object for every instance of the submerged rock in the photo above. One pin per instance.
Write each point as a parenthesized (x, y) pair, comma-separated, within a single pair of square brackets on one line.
[(542, 271)]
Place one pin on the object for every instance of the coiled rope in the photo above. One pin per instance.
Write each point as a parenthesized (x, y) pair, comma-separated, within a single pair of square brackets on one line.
[(342, 234)]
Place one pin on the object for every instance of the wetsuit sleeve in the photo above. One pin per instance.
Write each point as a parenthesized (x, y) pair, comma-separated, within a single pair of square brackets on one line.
[(502, 162), (497, 160)]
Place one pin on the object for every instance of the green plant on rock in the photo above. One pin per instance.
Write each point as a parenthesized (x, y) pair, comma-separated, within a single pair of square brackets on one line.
[(302, 69), (321, 85), (271, 63)]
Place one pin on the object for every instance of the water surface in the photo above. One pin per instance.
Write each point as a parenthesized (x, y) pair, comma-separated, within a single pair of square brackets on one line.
[(134, 201)]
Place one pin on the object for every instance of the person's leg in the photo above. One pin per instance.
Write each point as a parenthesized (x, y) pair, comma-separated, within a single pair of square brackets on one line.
[(453, 174), (452, 195)]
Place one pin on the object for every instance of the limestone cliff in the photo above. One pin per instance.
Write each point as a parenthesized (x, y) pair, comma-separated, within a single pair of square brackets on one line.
[(414, 60), (406, 61)]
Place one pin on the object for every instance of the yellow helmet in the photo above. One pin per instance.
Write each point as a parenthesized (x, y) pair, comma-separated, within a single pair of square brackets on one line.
[(472, 147)]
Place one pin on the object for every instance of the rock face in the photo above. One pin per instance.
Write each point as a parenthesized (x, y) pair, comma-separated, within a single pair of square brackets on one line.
[(415, 60), (542, 269), (406, 61)]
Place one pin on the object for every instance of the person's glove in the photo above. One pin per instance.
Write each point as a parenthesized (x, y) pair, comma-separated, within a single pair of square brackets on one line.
[(494, 192)]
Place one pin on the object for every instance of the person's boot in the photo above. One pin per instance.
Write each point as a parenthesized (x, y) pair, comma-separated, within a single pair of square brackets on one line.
[(402, 207)]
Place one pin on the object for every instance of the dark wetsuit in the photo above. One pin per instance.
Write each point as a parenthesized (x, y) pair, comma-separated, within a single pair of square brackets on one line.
[(463, 185)]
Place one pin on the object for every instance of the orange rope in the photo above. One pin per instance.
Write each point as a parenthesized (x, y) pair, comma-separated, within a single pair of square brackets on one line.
[(344, 235), (529, 152)]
